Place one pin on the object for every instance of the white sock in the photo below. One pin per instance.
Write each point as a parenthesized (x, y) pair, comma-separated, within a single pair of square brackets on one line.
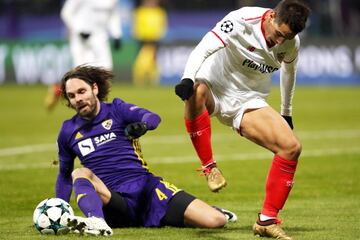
[(265, 218)]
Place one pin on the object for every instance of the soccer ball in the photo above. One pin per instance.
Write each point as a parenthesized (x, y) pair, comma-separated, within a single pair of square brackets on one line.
[(50, 216)]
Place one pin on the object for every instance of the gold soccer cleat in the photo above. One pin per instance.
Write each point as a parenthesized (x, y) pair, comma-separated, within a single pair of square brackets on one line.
[(270, 228), (214, 177)]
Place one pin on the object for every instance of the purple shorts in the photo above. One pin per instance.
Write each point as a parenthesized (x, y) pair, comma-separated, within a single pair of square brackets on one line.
[(147, 200)]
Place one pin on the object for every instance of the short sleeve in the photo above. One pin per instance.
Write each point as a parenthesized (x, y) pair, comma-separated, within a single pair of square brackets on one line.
[(230, 27)]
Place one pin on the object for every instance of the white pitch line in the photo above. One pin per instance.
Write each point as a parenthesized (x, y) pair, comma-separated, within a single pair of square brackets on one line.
[(32, 165), (256, 156), (46, 147), (179, 139), (193, 158)]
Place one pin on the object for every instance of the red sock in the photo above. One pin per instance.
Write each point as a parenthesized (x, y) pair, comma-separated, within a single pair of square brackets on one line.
[(278, 185), (57, 90), (199, 130)]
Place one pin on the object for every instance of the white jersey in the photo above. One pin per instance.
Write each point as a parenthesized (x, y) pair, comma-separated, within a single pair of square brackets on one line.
[(92, 16), (235, 58), (99, 19)]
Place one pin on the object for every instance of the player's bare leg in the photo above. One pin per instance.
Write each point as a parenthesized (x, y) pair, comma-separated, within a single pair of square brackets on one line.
[(200, 214), (197, 121), (267, 128)]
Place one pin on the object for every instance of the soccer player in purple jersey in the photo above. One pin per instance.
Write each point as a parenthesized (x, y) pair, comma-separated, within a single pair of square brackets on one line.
[(115, 188)]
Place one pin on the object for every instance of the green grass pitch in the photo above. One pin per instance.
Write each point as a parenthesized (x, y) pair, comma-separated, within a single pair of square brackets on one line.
[(324, 203)]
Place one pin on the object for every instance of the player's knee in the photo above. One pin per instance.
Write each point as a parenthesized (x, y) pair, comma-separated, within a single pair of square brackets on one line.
[(217, 220), (293, 149), (82, 173)]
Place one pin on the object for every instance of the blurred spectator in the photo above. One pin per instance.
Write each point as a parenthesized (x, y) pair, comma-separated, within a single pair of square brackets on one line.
[(150, 25), (89, 23)]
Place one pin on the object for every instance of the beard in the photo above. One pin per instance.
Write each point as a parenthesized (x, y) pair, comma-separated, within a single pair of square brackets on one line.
[(89, 109)]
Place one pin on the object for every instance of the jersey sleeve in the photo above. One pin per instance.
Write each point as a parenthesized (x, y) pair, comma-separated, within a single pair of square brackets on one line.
[(221, 36), (230, 27), (131, 113), (66, 165), (292, 53), (209, 44), (288, 78)]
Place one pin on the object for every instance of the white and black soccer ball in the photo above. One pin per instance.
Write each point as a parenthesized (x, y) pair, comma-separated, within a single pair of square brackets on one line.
[(50, 216)]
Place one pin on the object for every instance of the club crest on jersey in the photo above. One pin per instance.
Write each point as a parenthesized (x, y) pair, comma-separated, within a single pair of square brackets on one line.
[(280, 56), (227, 26), (107, 124)]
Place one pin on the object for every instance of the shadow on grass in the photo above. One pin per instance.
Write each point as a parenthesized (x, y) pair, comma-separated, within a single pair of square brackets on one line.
[(302, 229), (223, 233)]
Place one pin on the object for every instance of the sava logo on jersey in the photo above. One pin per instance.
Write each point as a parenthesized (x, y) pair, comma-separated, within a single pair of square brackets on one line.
[(86, 146), (107, 137), (263, 68)]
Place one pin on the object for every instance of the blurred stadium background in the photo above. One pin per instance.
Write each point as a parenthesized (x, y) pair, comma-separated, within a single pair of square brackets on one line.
[(34, 48)]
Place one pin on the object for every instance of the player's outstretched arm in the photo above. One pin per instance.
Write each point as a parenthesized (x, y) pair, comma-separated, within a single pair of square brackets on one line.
[(206, 47), (63, 186)]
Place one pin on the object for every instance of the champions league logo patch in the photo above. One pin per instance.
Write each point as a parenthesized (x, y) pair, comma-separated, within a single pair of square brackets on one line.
[(107, 124), (227, 26)]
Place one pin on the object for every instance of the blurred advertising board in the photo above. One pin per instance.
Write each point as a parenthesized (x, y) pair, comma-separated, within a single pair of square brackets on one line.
[(22, 62), (321, 62), (25, 63)]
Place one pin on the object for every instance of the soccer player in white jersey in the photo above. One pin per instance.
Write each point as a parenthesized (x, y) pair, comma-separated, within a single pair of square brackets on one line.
[(90, 23), (228, 75)]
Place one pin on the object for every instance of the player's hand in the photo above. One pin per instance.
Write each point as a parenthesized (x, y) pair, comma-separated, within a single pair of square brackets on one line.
[(288, 119), (117, 43), (135, 130), (84, 35), (185, 89)]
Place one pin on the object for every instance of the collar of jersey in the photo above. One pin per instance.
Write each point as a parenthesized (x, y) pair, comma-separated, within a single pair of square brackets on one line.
[(268, 44)]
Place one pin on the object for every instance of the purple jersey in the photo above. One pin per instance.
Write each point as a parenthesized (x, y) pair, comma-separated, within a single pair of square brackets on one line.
[(102, 146)]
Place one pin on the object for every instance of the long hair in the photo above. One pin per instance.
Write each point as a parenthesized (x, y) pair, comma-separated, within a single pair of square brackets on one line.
[(90, 75), (293, 13)]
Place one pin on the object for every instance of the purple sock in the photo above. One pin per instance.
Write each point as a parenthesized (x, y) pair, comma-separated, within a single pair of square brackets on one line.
[(87, 198)]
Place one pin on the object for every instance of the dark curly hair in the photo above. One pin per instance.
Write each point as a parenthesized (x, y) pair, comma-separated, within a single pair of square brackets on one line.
[(293, 13), (90, 75)]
